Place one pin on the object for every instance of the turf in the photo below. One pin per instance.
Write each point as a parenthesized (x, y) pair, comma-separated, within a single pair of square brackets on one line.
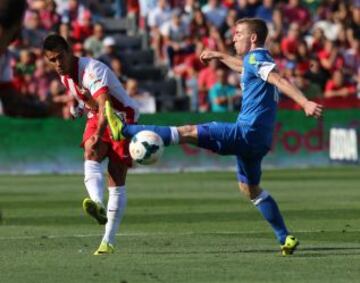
[(186, 227)]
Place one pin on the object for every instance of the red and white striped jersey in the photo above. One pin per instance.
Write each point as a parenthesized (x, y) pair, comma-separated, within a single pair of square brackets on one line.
[(94, 78)]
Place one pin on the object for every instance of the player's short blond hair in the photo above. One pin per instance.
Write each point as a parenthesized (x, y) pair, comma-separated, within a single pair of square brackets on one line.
[(257, 26)]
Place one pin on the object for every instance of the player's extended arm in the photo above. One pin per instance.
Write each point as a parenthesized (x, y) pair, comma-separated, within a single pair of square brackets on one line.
[(101, 114), (311, 108), (234, 63)]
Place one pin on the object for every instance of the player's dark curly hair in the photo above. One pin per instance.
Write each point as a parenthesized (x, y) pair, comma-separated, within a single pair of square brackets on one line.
[(55, 42), (257, 26), (11, 12)]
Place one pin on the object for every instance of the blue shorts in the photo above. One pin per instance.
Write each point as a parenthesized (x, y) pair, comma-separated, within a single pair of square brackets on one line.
[(234, 139)]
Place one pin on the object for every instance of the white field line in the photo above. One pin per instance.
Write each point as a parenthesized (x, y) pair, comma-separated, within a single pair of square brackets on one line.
[(149, 234)]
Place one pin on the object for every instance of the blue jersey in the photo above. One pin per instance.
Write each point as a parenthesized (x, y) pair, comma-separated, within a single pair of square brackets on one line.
[(260, 98)]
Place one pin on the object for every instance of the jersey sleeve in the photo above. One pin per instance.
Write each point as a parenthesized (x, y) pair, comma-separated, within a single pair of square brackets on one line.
[(261, 64), (96, 79)]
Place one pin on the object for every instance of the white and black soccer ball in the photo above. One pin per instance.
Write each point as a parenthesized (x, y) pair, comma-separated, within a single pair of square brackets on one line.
[(146, 147)]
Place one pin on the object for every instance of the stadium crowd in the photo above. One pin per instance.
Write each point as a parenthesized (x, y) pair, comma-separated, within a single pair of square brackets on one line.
[(315, 43)]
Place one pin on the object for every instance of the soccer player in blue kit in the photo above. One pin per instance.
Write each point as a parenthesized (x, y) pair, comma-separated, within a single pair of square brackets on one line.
[(250, 137)]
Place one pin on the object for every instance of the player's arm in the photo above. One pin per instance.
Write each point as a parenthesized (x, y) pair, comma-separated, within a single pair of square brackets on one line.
[(311, 108), (102, 123), (234, 63)]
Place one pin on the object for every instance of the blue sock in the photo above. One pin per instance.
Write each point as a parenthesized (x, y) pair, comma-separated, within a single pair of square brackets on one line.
[(269, 209), (164, 132)]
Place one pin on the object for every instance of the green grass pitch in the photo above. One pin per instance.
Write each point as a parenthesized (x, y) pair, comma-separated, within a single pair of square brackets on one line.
[(185, 227)]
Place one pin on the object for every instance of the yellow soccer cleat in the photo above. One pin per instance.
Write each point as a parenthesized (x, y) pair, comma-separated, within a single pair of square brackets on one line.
[(95, 210), (104, 249), (114, 121), (289, 246)]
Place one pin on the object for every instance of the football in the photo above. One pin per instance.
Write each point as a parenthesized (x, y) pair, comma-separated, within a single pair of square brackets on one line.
[(146, 147)]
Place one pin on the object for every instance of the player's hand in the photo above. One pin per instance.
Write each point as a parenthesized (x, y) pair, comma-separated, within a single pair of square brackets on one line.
[(95, 142), (208, 55), (313, 109)]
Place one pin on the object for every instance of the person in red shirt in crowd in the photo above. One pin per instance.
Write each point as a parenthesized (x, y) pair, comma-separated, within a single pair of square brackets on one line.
[(49, 18), (191, 62), (303, 58), (206, 80), (317, 40), (214, 41), (290, 43), (83, 28), (330, 57), (294, 12), (338, 87)]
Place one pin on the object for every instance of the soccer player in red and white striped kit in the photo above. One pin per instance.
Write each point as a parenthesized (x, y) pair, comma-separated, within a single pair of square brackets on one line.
[(91, 83)]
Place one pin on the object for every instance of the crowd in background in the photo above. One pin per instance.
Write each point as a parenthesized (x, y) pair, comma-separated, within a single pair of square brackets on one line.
[(315, 43)]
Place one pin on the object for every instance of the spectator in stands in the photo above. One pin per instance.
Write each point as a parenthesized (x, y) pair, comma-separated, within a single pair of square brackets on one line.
[(198, 25), (354, 24), (222, 94), (351, 57), (290, 43), (191, 63), (215, 12), (73, 12), (120, 8), (83, 27), (109, 51), (246, 8), (156, 18), (99, 9), (190, 7), (316, 40), (58, 100), (78, 50), (275, 51), (94, 44), (42, 78), (342, 38), (33, 33), (328, 22), (330, 56), (265, 11), (192, 89), (294, 12), (145, 101), (303, 57), (117, 68), (24, 71), (49, 18), (176, 38), (214, 41), (145, 7), (160, 15), (277, 26), (337, 86), (65, 32), (316, 74), (206, 80), (289, 71), (228, 28), (310, 89)]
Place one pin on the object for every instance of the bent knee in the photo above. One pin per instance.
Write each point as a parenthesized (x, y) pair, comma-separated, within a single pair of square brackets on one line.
[(251, 191)]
